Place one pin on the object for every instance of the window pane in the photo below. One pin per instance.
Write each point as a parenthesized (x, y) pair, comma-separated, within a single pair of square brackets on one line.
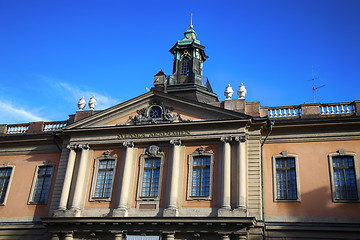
[(42, 185), (286, 185), (5, 174), (151, 178), (104, 178), (201, 176), (344, 178)]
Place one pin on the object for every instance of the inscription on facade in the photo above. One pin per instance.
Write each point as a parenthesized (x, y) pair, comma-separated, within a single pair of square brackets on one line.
[(154, 134)]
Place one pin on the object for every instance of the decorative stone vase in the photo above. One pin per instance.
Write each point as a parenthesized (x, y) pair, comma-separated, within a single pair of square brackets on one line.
[(81, 103), (228, 92), (242, 91), (92, 103)]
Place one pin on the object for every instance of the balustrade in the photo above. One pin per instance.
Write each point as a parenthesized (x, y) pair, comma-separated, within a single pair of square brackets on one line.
[(284, 112), (16, 129), (52, 126), (337, 109)]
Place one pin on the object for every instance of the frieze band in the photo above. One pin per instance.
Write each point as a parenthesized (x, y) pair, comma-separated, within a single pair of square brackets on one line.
[(154, 134)]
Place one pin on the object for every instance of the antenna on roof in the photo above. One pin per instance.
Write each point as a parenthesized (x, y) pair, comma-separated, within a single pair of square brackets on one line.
[(313, 81)]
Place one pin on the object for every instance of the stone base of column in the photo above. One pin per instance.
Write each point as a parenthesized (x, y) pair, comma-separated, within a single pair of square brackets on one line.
[(240, 212), (171, 212), (74, 212), (225, 212), (119, 212), (59, 213)]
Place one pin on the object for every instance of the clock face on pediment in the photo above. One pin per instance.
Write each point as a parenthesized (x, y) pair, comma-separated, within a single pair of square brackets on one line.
[(155, 112)]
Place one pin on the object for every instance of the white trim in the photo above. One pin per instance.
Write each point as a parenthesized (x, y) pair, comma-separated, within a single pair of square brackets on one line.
[(97, 160), (285, 154), (199, 152), (341, 152), (35, 178), (10, 180)]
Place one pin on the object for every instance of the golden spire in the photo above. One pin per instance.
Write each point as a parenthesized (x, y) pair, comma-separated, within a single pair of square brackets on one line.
[(191, 26)]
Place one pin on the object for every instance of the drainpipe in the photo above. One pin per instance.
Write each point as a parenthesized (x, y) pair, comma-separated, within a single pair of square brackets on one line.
[(270, 124)]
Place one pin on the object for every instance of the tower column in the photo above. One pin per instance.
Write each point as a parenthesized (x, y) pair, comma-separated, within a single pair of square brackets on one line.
[(80, 179), (68, 176), (226, 173), (124, 186), (241, 172), (174, 179)]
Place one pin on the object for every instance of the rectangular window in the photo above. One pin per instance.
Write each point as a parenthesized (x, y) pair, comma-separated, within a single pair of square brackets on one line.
[(344, 178), (151, 177), (5, 174), (201, 176), (286, 183), (104, 178), (41, 189)]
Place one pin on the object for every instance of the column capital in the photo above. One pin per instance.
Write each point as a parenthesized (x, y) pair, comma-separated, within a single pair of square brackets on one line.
[(226, 139), (175, 142), (71, 146), (84, 146), (128, 144), (242, 138)]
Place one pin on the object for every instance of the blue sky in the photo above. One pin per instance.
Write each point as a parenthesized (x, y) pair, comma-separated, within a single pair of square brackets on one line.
[(54, 52)]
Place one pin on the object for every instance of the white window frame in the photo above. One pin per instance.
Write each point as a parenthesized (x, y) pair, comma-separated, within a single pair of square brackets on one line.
[(152, 151), (35, 178), (105, 156), (341, 152), (6, 165), (200, 152), (285, 154)]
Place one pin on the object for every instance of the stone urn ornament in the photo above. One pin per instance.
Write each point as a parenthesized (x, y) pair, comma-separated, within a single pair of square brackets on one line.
[(92, 103), (228, 92), (242, 91), (81, 103)]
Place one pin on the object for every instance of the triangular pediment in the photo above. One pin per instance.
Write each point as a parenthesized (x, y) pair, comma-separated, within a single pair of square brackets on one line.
[(156, 108)]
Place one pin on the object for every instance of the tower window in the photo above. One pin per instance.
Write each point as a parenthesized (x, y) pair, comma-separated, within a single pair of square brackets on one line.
[(185, 67)]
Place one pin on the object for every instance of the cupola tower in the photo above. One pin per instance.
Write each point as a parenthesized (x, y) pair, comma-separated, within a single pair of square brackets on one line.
[(187, 79)]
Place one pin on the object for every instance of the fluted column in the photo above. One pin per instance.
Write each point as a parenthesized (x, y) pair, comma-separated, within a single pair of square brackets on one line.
[(124, 187), (241, 171), (174, 180), (226, 173), (80, 178), (68, 176)]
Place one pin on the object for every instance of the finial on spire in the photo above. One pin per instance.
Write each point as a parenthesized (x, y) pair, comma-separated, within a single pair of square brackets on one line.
[(191, 26)]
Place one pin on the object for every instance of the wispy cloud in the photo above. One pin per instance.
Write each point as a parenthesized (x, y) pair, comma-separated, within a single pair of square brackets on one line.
[(11, 113), (76, 93)]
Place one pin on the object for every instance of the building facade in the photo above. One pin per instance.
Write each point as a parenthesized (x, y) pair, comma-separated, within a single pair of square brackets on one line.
[(176, 163)]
